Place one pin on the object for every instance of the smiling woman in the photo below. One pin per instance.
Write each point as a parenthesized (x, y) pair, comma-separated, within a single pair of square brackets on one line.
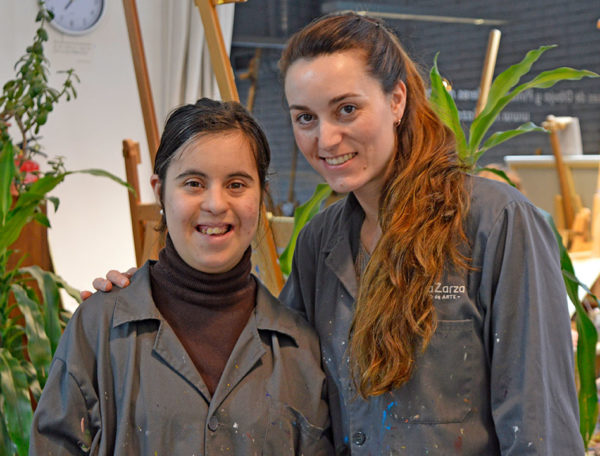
[(211, 201), (195, 355)]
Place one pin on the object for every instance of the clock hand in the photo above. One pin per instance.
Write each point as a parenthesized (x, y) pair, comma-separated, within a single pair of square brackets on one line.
[(69, 4)]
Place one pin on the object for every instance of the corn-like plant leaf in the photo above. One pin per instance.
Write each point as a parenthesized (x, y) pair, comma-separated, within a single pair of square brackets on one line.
[(511, 76), (103, 173), (444, 106), (501, 136), (7, 174), (17, 408), (302, 216), (497, 172), (6, 444), (47, 284), (38, 345), (544, 80), (38, 190), (586, 344), (14, 225)]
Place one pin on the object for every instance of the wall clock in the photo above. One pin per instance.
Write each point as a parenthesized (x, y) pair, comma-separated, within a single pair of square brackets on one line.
[(76, 17)]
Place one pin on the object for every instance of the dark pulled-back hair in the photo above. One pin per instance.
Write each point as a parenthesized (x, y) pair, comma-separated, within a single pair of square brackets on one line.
[(422, 207)]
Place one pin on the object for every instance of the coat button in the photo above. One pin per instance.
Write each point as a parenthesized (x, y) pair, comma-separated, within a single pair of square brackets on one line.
[(213, 423), (358, 438)]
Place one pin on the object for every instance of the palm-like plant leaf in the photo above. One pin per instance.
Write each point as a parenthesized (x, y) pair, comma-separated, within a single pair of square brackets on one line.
[(17, 412), (443, 105), (302, 215), (501, 136), (544, 80)]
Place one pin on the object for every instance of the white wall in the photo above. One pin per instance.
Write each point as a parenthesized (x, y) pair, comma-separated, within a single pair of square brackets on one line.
[(91, 232)]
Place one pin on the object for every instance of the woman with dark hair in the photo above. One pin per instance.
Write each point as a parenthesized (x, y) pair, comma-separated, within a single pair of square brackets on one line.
[(196, 356), (437, 296)]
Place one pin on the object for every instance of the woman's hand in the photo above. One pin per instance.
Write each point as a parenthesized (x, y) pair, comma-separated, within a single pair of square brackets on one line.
[(113, 277)]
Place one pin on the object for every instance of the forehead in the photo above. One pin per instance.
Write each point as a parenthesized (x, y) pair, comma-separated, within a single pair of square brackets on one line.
[(219, 151), (327, 73)]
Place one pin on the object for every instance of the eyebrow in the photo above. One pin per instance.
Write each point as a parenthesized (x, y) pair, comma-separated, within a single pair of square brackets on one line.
[(333, 101), (193, 172)]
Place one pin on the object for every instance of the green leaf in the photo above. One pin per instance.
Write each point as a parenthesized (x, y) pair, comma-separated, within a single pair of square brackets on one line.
[(7, 446), (13, 227), (38, 344), (501, 136), (497, 172), (512, 75), (302, 216), (41, 218), (37, 190), (585, 358), (443, 105), (47, 283), (103, 173), (7, 173), (17, 406), (544, 80)]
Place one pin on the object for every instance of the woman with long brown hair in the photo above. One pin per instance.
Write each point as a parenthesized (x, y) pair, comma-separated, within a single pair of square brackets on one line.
[(437, 296)]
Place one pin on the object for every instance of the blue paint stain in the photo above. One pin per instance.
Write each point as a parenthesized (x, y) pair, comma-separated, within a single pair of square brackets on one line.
[(391, 404)]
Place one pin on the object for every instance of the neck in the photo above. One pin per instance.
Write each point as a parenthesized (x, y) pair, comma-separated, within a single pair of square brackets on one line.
[(370, 232)]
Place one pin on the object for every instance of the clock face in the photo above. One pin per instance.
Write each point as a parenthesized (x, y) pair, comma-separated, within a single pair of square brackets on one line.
[(75, 17)]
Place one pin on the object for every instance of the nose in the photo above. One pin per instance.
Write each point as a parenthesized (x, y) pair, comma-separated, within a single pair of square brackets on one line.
[(330, 135), (214, 200)]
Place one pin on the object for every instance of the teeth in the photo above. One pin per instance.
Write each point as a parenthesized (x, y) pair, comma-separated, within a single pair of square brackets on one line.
[(339, 160), (213, 230)]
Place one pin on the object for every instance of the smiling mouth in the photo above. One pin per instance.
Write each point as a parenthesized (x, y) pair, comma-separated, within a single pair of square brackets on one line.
[(339, 159), (213, 230)]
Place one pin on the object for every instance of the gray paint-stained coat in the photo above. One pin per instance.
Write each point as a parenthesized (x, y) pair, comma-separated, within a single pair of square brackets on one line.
[(121, 383), (498, 374)]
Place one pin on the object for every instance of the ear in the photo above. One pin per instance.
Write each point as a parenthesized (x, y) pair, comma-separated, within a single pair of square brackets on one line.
[(398, 100), (156, 187)]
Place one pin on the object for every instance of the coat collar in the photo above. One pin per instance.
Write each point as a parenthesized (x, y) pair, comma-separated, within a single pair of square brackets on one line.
[(135, 303), (341, 249)]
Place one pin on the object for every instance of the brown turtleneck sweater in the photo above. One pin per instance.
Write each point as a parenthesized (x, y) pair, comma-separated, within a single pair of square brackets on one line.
[(207, 311)]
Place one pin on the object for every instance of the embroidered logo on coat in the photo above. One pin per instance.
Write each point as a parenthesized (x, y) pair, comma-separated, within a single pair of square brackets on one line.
[(443, 292)]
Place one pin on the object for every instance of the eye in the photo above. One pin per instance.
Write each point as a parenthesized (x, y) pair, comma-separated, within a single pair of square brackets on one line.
[(236, 186), (304, 118), (192, 183), (348, 109)]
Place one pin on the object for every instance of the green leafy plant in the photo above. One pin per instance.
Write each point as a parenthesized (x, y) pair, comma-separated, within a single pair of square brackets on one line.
[(31, 321), (502, 91), (302, 215)]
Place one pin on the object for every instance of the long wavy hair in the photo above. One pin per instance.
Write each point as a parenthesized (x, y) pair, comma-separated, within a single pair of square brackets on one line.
[(421, 209)]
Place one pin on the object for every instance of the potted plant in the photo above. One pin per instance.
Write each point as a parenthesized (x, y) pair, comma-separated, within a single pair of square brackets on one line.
[(31, 322)]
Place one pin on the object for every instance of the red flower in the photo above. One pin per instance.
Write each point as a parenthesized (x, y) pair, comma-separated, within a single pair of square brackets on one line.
[(29, 166)]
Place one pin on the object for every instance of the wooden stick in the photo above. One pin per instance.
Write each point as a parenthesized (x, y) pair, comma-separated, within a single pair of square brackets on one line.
[(142, 77), (488, 69), (567, 193), (216, 48)]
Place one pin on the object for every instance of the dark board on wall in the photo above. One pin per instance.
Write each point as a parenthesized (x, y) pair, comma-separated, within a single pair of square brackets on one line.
[(461, 46)]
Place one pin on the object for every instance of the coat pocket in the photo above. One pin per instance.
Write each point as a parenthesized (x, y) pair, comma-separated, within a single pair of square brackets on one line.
[(440, 389), (290, 433)]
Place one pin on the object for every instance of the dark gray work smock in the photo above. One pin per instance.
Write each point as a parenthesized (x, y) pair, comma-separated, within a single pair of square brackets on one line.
[(498, 374), (121, 383)]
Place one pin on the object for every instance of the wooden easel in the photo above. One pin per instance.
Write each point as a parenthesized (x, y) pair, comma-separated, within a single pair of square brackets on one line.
[(264, 251)]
